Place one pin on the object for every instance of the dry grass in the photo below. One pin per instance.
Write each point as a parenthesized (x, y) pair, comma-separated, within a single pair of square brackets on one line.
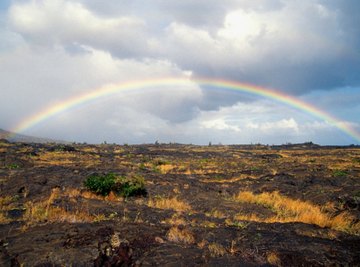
[(177, 235), (6, 203), (91, 195), (216, 250), (74, 193), (166, 168), (56, 158), (208, 224), (66, 158), (215, 214), (229, 180), (169, 204), (4, 219), (176, 220), (273, 259), (202, 244), (40, 212), (291, 210), (44, 211)]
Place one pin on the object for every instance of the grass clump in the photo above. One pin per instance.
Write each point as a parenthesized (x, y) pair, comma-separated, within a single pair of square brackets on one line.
[(180, 235), (44, 211), (273, 258), (216, 250), (169, 204), (294, 210), (126, 186)]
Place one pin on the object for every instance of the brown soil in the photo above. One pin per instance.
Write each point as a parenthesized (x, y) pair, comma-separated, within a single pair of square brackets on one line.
[(48, 217)]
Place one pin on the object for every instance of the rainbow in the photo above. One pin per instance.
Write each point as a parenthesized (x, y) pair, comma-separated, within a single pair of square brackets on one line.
[(113, 89)]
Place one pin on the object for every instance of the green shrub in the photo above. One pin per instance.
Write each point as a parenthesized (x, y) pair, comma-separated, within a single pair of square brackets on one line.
[(12, 166), (339, 173), (101, 184), (126, 186), (134, 185)]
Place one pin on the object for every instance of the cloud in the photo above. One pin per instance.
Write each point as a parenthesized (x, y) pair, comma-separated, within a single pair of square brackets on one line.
[(51, 50), (56, 75), (297, 48), (293, 46), (57, 22), (278, 125)]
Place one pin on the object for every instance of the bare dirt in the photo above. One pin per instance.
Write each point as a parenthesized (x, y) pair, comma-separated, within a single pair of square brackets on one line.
[(48, 217)]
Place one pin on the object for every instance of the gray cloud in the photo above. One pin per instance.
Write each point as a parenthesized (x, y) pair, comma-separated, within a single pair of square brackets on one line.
[(285, 45), (51, 50)]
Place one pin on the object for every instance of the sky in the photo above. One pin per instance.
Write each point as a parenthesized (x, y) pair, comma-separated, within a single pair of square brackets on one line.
[(54, 50)]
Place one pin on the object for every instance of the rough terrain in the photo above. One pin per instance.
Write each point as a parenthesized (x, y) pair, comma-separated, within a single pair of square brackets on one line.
[(295, 205)]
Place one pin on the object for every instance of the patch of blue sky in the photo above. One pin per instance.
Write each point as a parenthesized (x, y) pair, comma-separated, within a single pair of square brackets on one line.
[(4, 4), (342, 102)]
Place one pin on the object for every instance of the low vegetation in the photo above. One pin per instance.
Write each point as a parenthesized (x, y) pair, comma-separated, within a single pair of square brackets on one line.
[(44, 212), (180, 235), (126, 186), (216, 250), (172, 203), (295, 210), (206, 205)]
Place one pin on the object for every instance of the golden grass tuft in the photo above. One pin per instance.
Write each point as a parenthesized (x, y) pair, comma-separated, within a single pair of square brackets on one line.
[(169, 204), (166, 168), (40, 212), (291, 210), (229, 180), (216, 250), (215, 214), (91, 195), (176, 220), (273, 258), (177, 235), (61, 215), (57, 158), (43, 211), (72, 192), (202, 244), (208, 224), (5, 201), (4, 219)]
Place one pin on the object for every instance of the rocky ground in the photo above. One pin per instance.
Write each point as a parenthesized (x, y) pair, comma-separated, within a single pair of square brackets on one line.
[(295, 205)]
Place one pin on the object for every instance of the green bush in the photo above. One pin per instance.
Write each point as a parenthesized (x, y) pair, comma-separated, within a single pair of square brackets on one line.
[(101, 184), (12, 166), (132, 185), (339, 173)]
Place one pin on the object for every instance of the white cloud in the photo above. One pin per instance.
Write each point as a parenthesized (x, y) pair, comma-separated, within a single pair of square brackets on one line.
[(51, 50), (290, 48), (53, 75), (53, 22), (287, 124), (219, 124), (291, 45), (261, 118)]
